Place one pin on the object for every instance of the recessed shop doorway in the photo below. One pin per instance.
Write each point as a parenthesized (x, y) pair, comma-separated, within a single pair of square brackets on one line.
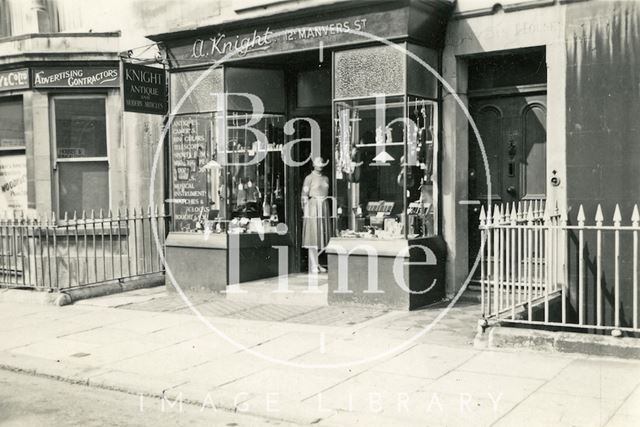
[(508, 102), (309, 101)]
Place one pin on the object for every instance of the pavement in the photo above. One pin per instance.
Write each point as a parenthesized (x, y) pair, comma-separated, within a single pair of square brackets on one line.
[(327, 365), (26, 401)]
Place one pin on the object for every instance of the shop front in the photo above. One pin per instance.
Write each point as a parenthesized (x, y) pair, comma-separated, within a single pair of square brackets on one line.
[(339, 171)]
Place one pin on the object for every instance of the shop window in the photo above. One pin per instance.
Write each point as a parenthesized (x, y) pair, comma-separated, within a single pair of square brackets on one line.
[(384, 153), (13, 164), (82, 163)]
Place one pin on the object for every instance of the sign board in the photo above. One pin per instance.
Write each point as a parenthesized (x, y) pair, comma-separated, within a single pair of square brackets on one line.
[(13, 182), (289, 37), (144, 89), (76, 77), (190, 139), (14, 79)]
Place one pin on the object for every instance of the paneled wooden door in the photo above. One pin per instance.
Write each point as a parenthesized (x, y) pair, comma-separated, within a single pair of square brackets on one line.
[(513, 129)]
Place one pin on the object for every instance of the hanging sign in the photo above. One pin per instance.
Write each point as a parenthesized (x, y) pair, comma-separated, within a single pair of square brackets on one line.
[(76, 77), (14, 79), (144, 89)]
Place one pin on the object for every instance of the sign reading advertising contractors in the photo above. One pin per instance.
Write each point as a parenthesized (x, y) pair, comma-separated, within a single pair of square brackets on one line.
[(144, 89), (75, 77), (14, 79)]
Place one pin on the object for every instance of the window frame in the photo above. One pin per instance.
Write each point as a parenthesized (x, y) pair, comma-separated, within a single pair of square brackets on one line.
[(55, 161)]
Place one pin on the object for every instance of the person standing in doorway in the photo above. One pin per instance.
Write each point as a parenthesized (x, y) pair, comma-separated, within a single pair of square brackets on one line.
[(316, 227)]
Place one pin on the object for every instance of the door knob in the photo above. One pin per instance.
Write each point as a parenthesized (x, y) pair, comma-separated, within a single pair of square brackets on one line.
[(511, 190)]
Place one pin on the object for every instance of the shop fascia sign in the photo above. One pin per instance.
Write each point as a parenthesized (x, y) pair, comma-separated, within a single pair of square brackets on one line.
[(271, 40), (14, 79), (76, 77), (144, 89), (222, 45)]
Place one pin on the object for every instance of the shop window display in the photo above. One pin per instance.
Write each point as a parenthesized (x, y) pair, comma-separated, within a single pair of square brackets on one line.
[(251, 185), (384, 160), (243, 194)]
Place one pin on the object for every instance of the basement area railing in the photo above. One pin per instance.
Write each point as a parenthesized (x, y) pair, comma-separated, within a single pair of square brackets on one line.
[(49, 254), (543, 270)]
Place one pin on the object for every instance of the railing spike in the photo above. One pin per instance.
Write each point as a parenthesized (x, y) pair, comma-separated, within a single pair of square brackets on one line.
[(101, 213), (581, 217), (514, 214), (75, 215), (635, 216), (617, 216), (66, 216), (84, 215), (530, 215), (483, 215), (496, 216), (599, 215), (93, 214)]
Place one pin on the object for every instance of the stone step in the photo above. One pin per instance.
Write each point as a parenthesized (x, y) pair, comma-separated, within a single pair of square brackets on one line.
[(472, 293), (294, 289)]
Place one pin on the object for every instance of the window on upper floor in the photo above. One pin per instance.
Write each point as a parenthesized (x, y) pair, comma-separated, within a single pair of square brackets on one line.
[(5, 18)]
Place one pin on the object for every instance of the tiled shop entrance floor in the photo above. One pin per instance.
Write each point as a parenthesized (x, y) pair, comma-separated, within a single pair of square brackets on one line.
[(456, 327), (158, 300)]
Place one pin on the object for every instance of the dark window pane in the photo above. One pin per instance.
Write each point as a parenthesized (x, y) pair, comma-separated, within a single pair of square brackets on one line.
[(83, 185), (11, 124), (80, 128), (510, 69)]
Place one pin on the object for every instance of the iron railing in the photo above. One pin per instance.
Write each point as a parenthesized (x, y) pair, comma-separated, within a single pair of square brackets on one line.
[(540, 270), (50, 254)]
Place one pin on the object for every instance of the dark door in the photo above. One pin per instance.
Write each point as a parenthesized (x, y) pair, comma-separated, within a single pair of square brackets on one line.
[(514, 136)]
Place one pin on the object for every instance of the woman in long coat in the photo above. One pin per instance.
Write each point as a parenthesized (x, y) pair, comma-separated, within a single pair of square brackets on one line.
[(316, 227)]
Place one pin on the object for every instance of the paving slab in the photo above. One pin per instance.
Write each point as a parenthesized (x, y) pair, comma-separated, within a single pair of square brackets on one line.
[(621, 420), (487, 385), (551, 410), (631, 405), (369, 391), (520, 364), (426, 361), (597, 378), (55, 349), (111, 353), (287, 383), (223, 370), (446, 409)]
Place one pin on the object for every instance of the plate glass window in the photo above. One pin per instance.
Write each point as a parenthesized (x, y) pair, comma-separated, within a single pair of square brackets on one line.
[(81, 154)]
